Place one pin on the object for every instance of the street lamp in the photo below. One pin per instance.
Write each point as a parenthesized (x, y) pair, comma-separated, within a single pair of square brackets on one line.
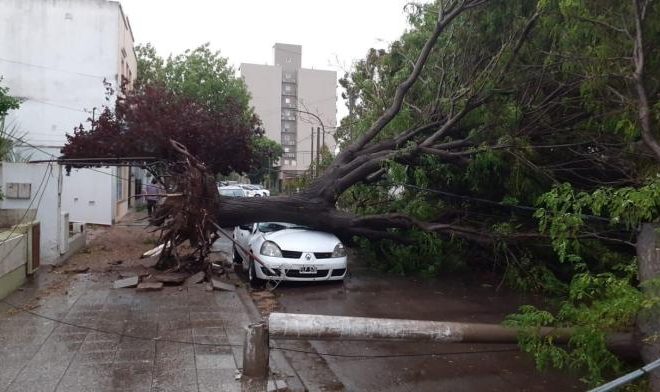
[(318, 149)]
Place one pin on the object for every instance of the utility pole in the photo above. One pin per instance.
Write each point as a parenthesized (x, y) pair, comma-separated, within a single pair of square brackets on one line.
[(318, 148), (311, 153)]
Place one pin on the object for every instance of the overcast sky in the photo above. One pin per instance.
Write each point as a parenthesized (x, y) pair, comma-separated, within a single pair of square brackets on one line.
[(333, 33)]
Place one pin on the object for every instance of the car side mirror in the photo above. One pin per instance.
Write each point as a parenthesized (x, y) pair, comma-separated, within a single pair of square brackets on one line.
[(245, 227)]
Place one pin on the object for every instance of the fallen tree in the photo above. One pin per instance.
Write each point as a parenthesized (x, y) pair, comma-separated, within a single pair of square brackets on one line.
[(520, 113)]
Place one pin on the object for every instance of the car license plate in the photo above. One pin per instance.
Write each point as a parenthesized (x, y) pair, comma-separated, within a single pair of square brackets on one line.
[(308, 269)]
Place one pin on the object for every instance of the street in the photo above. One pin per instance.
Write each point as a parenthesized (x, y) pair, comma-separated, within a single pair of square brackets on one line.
[(410, 366)]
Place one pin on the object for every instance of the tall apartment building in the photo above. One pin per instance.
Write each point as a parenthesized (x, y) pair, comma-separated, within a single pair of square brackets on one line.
[(54, 56), (281, 94)]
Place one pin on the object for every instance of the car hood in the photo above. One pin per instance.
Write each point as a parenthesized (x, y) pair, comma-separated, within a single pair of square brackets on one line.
[(303, 240)]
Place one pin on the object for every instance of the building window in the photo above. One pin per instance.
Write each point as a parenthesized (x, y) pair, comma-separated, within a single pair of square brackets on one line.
[(293, 163), (288, 59)]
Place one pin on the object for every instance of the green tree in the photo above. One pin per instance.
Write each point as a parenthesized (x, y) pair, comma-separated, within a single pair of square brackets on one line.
[(7, 102), (266, 153), (199, 73)]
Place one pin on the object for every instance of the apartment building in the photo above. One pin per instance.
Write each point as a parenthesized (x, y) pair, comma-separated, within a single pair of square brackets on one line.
[(298, 106), (55, 56)]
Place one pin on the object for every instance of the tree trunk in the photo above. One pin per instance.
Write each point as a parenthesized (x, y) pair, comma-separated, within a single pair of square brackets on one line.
[(648, 321)]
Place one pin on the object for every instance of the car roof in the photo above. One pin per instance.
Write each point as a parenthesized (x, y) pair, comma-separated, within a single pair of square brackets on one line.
[(231, 187)]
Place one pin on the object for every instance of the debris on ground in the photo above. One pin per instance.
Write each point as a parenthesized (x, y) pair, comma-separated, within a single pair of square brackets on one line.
[(150, 286), (150, 262), (219, 285), (195, 279), (153, 252), (175, 278), (266, 301), (116, 262), (76, 269), (126, 282)]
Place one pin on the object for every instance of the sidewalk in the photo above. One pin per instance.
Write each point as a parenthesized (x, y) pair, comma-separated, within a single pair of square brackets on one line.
[(178, 339)]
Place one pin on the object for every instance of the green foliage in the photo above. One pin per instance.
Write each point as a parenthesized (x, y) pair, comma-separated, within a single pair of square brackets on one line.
[(266, 153), (9, 140), (595, 305), (428, 256), (7, 102), (199, 73), (563, 210)]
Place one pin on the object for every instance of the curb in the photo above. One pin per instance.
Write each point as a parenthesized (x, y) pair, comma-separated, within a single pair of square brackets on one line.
[(294, 383)]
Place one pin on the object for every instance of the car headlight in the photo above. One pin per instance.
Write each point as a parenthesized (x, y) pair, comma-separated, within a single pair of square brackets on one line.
[(269, 248), (339, 251)]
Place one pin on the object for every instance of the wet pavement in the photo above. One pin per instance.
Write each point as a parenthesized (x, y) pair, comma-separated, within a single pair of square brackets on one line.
[(76, 333), (396, 366), (192, 350)]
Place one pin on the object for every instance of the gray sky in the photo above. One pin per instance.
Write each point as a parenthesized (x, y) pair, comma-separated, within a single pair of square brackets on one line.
[(333, 33)]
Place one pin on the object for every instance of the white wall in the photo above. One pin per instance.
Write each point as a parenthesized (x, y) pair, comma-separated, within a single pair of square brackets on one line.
[(83, 202), (44, 200), (54, 55)]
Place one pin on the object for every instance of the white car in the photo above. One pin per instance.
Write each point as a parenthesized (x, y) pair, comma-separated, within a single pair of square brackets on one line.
[(231, 191), (264, 192), (254, 190), (292, 252)]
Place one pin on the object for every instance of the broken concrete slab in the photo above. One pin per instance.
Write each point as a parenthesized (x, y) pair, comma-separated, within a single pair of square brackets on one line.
[(150, 262), (219, 285), (171, 277), (126, 282), (150, 286), (196, 278)]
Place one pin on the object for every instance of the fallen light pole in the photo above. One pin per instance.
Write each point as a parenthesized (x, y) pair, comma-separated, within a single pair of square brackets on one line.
[(290, 326), (318, 327)]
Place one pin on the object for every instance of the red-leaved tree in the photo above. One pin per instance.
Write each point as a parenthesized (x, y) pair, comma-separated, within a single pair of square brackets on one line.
[(145, 120)]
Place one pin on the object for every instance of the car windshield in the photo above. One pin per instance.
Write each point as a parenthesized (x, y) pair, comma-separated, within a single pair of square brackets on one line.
[(269, 227)]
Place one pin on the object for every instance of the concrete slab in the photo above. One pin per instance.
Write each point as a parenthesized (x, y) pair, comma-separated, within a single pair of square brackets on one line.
[(220, 285), (150, 286), (126, 282)]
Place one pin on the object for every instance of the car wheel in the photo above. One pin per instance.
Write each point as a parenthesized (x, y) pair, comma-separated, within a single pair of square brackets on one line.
[(257, 195), (255, 282), (237, 258)]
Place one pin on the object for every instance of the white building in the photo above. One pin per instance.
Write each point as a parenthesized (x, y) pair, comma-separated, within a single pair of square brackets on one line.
[(282, 93), (54, 56)]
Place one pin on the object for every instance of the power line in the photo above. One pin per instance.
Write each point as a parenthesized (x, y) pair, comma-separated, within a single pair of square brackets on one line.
[(52, 68), (53, 156), (322, 354), (27, 210), (55, 105)]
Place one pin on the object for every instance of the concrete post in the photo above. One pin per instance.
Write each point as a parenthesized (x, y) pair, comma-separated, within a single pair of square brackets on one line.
[(256, 352), (648, 322)]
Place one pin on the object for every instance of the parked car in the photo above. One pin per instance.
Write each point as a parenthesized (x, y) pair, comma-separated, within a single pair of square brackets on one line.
[(231, 191), (264, 191), (254, 190), (292, 252)]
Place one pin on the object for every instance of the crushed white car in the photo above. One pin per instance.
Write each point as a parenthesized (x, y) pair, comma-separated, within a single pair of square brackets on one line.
[(292, 252)]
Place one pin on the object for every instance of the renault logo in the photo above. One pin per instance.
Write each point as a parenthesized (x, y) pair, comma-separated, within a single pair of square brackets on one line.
[(308, 257)]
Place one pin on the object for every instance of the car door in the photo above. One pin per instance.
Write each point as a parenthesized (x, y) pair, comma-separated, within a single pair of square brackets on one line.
[(243, 236)]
